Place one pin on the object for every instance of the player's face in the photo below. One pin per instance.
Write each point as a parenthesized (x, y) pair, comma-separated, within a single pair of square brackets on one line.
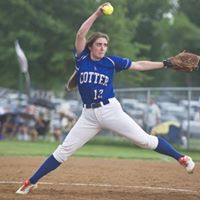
[(98, 48)]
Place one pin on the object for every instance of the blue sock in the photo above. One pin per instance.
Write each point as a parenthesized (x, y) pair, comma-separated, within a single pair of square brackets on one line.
[(165, 148), (50, 164)]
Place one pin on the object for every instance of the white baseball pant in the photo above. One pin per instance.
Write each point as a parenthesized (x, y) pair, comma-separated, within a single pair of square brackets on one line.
[(91, 121)]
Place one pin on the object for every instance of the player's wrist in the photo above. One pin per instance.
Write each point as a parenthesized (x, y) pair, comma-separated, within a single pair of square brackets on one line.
[(98, 12), (167, 63)]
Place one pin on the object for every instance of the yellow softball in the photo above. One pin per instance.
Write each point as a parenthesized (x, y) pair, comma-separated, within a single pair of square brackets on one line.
[(107, 9)]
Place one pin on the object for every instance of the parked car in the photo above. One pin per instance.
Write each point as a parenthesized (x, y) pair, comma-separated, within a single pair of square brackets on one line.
[(134, 108), (191, 107), (173, 111), (192, 127)]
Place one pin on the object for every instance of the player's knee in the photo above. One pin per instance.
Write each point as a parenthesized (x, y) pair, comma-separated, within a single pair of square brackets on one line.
[(62, 153), (149, 143)]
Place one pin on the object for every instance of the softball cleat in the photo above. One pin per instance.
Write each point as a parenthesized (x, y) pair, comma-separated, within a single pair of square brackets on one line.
[(188, 163), (26, 187)]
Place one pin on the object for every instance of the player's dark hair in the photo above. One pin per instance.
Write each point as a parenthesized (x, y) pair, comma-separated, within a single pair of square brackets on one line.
[(94, 37)]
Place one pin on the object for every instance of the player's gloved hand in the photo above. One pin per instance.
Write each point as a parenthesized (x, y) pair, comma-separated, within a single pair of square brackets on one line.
[(184, 61)]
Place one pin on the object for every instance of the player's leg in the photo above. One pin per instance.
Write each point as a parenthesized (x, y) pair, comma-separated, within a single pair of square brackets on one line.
[(118, 121), (85, 128), (127, 127), (115, 119)]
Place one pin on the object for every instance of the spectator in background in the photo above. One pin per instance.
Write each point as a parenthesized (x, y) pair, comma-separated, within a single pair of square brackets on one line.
[(57, 129), (8, 126), (67, 123), (41, 125), (32, 131), (151, 115), (197, 114), (21, 128), (1, 134)]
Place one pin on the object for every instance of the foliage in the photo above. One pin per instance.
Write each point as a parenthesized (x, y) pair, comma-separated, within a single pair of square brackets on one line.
[(141, 29)]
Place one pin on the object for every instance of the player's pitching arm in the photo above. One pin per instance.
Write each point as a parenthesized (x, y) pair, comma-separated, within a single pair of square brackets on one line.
[(80, 42)]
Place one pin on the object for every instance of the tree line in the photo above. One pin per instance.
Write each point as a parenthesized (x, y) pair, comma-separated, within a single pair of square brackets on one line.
[(138, 29)]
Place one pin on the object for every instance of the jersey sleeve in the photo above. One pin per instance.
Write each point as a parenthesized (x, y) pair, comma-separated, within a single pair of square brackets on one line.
[(121, 63), (80, 58), (82, 54)]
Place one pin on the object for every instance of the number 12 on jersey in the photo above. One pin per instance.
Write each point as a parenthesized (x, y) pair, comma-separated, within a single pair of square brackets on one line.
[(98, 94)]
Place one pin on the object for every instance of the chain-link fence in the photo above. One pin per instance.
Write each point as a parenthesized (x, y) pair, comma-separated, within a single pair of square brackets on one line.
[(179, 120)]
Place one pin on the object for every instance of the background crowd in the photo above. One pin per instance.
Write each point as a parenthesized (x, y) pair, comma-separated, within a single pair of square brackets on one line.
[(35, 119)]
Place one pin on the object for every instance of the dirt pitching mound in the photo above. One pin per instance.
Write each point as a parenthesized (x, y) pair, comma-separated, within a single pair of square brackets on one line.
[(100, 179)]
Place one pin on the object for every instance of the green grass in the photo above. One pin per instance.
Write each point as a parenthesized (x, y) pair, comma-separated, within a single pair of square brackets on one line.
[(103, 147), (20, 148)]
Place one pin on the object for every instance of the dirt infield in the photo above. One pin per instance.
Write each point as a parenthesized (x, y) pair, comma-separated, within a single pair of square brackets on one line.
[(101, 179)]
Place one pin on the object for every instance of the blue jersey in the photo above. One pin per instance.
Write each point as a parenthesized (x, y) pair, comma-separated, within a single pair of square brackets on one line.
[(95, 78)]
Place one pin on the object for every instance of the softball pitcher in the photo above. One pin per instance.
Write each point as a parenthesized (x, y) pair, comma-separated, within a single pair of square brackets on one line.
[(101, 110)]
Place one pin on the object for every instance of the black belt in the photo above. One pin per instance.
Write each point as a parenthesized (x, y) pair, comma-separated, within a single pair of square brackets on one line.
[(96, 105)]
